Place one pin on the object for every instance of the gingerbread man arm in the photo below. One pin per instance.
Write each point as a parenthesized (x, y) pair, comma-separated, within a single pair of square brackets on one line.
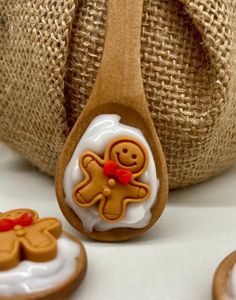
[(90, 161), (137, 191), (39, 243), (87, 192)]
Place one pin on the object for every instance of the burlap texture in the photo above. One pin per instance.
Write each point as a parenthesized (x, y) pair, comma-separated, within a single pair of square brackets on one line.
[(50, 52)]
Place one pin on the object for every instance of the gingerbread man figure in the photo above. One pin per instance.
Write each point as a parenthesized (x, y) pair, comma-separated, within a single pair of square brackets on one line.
[(111, 182), (24, 236)]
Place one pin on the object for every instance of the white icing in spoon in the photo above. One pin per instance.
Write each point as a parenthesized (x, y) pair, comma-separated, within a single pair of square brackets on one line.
[(101, 131)]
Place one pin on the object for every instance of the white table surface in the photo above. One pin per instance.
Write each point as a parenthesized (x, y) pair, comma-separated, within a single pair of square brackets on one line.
[(175, 260)]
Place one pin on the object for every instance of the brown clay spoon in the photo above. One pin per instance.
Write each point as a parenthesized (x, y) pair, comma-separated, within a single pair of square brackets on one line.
[(118, 90), (221, 282)]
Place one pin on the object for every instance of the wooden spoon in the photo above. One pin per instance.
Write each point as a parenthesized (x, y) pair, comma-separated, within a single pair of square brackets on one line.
[(221, 278), (118, 90)]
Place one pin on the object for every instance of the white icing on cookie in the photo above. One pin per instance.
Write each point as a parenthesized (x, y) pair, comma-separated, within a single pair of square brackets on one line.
[(30, 277), (101, 131)]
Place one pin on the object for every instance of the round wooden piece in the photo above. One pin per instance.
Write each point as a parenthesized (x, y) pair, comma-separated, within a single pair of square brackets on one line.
[(221, 277), (62, 290)]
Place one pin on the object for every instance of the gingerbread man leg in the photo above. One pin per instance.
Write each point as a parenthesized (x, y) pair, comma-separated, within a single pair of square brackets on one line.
[(115, 205), (9, 254), (112, 209)]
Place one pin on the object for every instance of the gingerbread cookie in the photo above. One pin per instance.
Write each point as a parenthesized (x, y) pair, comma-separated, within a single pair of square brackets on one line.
[(26, 237), (37, 259), (224, 283), (108, 186), (111, 182)]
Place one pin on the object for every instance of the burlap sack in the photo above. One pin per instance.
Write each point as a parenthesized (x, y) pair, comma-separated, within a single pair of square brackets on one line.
[(50, 52)]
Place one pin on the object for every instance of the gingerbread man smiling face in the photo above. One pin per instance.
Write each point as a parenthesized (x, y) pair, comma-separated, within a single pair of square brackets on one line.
[(128, 154), (112, 182)]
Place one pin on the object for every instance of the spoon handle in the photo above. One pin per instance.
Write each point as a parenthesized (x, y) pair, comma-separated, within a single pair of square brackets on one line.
[(119, 78)]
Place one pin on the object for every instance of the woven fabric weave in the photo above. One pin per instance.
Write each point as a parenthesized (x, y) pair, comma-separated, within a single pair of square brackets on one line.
[(50, 52), (34, 40)]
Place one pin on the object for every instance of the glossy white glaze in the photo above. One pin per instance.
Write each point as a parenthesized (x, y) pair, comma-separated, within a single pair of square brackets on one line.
[(29, 277), (100, 132)]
